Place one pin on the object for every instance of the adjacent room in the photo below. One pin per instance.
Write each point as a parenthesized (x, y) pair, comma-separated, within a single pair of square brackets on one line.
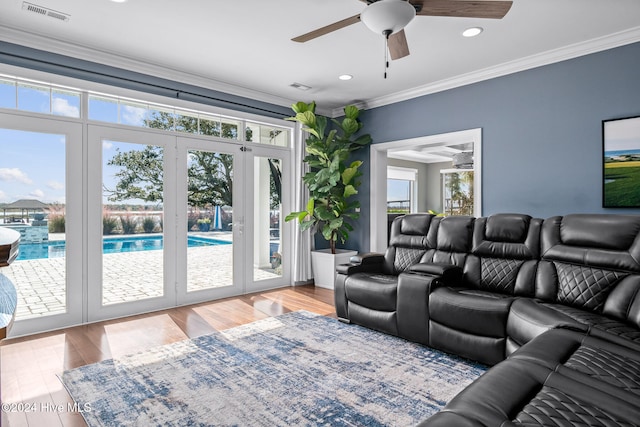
[(304, 212)]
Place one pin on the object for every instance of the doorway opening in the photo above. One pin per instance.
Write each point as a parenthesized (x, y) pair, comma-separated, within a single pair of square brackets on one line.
[(443, 159)]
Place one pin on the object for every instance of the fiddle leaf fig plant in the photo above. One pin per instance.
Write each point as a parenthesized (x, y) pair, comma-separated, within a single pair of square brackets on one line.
[(332, 180)]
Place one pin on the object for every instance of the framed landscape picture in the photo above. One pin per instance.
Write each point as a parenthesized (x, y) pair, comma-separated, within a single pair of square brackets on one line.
[(621, 163)]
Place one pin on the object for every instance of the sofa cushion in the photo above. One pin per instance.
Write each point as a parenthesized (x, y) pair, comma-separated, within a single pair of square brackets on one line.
[(616, 232), (471, 311), (618, 332), (601, 241), (553, 406), (600, 325), (374, 291), (449, 240), (520, 392), (585, 287), (529, 318), (383, 321), (487, 350), (407, 242), (594, 361), (512, 236), (447, 418), (405, 258), (504, 254)]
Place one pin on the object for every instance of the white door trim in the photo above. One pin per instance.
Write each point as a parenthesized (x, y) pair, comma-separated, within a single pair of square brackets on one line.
[(378, 157)]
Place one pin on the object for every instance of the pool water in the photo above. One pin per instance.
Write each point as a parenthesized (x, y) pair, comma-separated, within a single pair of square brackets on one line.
[(110, 245)]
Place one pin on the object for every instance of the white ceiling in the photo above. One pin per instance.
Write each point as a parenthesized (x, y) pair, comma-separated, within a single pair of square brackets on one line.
[(244, 47), (430, 152)]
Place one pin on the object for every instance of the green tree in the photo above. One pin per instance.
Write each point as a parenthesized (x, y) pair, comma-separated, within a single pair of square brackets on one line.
[(460, 192), (210, 174), (140, 175), (210, 179)]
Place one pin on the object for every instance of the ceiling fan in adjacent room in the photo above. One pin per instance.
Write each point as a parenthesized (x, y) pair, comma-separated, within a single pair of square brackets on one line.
[(389, 17)]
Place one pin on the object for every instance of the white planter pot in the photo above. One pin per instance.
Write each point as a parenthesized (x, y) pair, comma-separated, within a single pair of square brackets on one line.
[(324, 264)]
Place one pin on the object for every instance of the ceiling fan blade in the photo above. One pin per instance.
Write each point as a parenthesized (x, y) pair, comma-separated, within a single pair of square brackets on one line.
[(398, 47), (463, 8), (328, 29)]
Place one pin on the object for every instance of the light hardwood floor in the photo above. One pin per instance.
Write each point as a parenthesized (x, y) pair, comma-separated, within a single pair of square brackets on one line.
[(32, 394)]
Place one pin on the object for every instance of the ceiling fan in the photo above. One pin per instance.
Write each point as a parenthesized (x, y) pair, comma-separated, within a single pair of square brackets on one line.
[(389, 17)]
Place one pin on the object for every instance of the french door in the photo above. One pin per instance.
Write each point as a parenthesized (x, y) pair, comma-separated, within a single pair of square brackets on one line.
[(211, 235), (131, 222), (41, 191), (178, 220), (250, 242), (268, 250)]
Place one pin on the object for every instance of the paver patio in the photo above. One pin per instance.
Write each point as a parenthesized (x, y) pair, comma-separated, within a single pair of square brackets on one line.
[(40, 283)]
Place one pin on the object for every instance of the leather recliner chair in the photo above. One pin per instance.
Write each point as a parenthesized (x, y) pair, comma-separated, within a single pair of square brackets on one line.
[(586, 280), (390, 292), (469, 318)]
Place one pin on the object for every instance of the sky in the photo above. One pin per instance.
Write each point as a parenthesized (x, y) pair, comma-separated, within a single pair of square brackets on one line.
[(622, 134), (397, 190), (32, 164)]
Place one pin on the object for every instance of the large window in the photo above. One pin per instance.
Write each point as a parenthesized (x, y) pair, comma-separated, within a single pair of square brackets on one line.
[(128, 112), (39, 98)]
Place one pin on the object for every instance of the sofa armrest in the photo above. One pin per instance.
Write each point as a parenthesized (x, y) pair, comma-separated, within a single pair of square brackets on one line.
[(412, 307), (361, 263), (448, 274), (370, 263)]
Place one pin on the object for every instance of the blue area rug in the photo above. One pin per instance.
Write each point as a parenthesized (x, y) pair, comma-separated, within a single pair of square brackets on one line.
[(295, 369)]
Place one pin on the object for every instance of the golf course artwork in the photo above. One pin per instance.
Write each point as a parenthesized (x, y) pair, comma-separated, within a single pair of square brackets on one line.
[(621, 171)]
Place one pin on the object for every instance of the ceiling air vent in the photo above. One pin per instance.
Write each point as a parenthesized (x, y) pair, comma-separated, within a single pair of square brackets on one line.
[(300, 86), (30, 7)]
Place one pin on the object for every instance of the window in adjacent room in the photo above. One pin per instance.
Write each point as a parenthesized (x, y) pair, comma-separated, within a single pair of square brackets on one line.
[(457, 191), (401, 190)]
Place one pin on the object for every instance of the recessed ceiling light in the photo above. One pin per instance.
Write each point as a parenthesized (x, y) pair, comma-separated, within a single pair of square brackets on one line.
[(472, 32), (119, 1), (345, 77)]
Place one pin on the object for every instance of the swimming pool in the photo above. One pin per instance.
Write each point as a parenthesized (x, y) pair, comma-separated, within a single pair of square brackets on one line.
[(110, 245)]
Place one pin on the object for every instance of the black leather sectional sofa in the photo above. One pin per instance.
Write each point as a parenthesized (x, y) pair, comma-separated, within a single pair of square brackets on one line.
[(554, 304)]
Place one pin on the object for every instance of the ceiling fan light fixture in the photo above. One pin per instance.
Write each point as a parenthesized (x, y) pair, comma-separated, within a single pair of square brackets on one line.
[(387, 15)]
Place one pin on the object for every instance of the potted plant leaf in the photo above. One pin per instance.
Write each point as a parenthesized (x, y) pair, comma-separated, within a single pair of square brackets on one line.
[(332, 181)]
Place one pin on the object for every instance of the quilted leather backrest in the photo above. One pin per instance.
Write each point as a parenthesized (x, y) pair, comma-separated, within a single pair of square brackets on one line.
[(408, 242), (594, 240), (449, 240), (505, 251), (585, 257)]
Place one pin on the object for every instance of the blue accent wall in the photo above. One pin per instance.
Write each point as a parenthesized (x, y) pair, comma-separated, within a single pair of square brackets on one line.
[(541, 132)]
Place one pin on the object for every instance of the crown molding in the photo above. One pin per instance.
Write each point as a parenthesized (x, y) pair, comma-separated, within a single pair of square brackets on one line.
[(549, 57), (36, 41)]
